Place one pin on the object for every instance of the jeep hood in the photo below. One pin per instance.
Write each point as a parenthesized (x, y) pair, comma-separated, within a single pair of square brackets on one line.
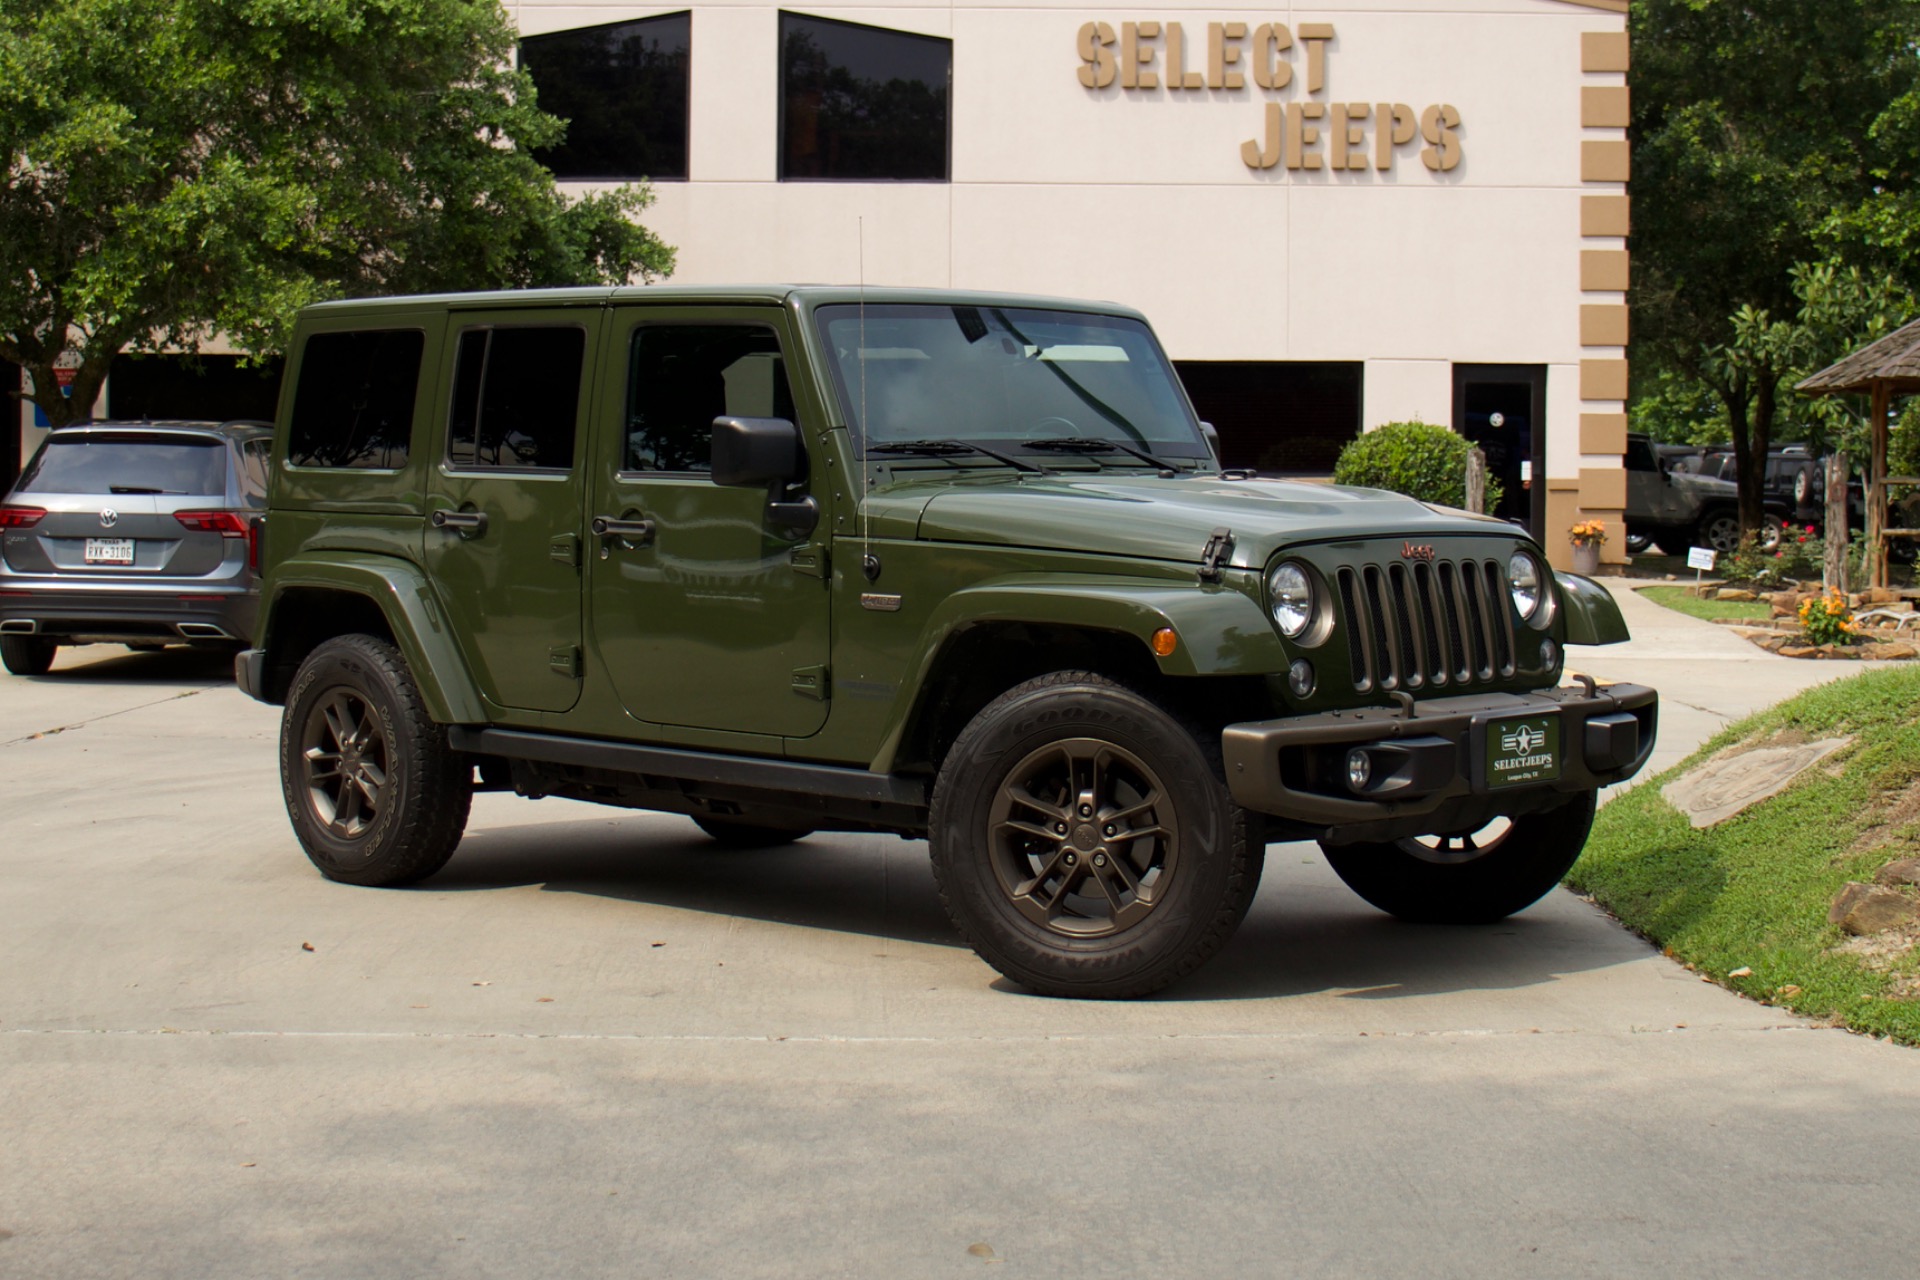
[(1146, 517)]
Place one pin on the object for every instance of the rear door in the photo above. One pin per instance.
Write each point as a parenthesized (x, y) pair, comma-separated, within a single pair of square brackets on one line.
[(110, 498), (504, 509)]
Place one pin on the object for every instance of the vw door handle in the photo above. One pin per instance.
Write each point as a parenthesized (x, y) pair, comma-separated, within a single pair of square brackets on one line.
[(461, 522)]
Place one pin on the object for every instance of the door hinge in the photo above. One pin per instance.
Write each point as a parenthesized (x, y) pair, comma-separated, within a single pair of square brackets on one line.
[(565, 659), (564, 549), (810, 560), (811, 682)]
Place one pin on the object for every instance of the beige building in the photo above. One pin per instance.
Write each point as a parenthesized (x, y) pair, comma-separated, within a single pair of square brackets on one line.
[(1337, 214)]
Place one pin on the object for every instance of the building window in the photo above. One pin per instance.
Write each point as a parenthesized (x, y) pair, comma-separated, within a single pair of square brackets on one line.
[(862, 104), (622, 88), (1280, 417)]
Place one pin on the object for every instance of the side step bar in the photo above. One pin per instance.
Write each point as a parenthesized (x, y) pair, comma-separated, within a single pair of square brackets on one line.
[(693, 766)]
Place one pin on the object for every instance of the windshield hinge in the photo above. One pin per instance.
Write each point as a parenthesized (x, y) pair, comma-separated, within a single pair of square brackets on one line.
[(810, 560), (1219, 547)]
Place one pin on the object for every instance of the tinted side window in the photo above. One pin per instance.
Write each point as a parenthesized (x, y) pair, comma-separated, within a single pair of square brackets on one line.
[(256, 460), (1640, 456), (859, 103), (516, 393), (681, 377), (622, 89), (353, 406)]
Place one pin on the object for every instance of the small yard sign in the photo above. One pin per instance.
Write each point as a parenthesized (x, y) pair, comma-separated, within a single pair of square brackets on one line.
[(1700, 557)]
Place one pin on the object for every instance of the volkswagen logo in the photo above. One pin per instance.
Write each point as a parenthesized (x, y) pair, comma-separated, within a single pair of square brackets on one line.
[(109, 518)]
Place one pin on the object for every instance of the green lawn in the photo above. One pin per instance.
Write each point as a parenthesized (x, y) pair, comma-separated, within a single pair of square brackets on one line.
[(1753, 892), (1682, 600)]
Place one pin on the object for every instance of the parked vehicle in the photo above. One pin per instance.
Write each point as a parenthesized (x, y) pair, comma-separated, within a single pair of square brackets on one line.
[(953, 565), (137, 533), (1677, 509)]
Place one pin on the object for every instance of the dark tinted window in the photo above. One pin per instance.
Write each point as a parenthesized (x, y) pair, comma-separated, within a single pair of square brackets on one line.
[(101, 462), (862, 103), (623, 90), (354, 404), (681, 377), (1639, 455), (516, 393)]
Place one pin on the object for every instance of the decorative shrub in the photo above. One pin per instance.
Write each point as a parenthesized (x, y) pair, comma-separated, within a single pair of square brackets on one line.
[(1827, 620), (1415, 458), (1799, 556)]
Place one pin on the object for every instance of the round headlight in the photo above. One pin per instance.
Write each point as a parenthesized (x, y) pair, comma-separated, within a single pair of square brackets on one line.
[(1290, 594), (1525, 581)]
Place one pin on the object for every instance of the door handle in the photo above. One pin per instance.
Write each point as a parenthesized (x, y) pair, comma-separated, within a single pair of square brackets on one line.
[(462, 522), (636, 532)]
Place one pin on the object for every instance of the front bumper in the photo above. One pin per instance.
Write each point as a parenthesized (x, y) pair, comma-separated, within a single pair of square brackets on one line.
[(1430, 760)]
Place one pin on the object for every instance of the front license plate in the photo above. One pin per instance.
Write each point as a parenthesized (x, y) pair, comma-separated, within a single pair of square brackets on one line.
[(109, 551), (1523, 750)]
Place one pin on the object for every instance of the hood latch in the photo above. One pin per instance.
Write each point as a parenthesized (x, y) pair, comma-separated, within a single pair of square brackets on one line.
[(1219, 547)]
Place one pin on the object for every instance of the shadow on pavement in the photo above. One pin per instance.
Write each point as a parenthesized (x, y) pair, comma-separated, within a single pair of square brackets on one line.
[(1300, 937), (105, 666)]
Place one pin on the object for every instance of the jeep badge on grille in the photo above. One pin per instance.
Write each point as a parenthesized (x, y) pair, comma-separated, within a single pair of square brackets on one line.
[(1415, 551)]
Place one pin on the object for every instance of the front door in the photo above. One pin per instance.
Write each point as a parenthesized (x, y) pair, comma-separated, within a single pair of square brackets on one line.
[(504, 532), (1502, 409), (706, 615)]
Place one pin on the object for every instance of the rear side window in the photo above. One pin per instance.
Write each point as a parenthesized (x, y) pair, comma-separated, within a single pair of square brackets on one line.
[(354, 403), (516, 394), (113, 462)]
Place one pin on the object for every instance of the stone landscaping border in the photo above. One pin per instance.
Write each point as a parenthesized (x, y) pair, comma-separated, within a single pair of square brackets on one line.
[(1781, 633)]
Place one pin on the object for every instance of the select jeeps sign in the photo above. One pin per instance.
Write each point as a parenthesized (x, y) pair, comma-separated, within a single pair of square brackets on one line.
[(1148, 56)]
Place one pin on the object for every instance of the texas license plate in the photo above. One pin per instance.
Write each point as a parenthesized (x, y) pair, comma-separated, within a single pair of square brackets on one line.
[(109, 551), (1523, 750)]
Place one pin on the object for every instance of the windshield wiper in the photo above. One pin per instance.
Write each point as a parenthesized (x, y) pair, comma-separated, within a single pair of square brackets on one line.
[(949, 448), (129, 488), (1091, 444)]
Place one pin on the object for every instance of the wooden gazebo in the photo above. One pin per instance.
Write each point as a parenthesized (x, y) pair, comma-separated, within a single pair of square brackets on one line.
[(1882, 370)]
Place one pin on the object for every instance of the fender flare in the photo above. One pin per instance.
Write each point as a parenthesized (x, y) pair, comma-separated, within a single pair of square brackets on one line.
[(1592, 614), (405, 599), (1239, 639)]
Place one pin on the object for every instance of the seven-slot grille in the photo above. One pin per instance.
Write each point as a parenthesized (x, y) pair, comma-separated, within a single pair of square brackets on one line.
[(1441, 623)]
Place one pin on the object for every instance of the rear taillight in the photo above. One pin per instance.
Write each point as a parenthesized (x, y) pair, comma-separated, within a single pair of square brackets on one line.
[(228, 524), (20, 517)]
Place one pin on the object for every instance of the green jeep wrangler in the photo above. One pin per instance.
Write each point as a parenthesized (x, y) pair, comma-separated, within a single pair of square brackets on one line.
[(953, 565)]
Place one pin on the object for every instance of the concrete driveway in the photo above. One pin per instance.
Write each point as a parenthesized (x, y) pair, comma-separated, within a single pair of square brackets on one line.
[(598, 1045)]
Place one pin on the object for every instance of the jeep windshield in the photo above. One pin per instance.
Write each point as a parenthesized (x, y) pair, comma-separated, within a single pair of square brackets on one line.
[(1016, 380)]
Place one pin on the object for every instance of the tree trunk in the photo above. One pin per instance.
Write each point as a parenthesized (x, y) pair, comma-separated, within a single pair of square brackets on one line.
[(1476, 481), (1833, 571), (1750, 464)]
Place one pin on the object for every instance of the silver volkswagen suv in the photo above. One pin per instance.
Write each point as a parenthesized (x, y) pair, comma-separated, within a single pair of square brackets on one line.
[(137, 533)]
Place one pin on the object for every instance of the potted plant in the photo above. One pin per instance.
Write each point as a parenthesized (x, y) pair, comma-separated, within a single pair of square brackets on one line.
[(1588, 537)]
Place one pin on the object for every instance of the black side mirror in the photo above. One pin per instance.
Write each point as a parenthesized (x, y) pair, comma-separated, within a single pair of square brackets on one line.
[(765, 451), (1212, 437)]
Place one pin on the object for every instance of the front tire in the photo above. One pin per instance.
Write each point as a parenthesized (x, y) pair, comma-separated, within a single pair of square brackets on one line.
[(1083, 842), (27, 655), (1471, 878), (375, 794)]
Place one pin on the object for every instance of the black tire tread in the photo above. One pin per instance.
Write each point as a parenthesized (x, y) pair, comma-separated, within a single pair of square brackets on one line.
[(1246, 854), (27, 655), (430, 828)]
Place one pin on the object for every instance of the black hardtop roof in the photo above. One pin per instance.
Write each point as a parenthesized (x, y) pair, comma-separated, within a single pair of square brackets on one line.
[(236, 428), (805, 296)]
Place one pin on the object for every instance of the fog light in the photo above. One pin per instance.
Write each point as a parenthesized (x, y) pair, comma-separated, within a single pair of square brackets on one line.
[(1300, 677), (1549, 654), (1359, 769)]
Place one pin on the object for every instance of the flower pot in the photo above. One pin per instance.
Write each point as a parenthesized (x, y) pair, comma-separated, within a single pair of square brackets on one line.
[(1586, 558)]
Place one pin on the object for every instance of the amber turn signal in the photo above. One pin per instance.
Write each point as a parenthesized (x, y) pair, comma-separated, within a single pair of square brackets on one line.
[(1164, 642)]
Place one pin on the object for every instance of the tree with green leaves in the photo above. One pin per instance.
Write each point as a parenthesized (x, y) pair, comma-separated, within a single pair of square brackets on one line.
[(183, 167), (1763, 133)]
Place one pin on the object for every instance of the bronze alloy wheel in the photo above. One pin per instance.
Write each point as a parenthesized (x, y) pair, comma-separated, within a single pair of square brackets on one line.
[(347, 757), (1083, 837)]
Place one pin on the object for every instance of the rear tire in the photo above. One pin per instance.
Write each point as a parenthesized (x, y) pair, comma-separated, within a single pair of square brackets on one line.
[(27, 655), (375, 794), (1083, 841), (1457, 879), (745, 835)]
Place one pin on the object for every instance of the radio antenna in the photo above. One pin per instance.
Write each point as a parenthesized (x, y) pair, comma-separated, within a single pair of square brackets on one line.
[(868, 565)]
